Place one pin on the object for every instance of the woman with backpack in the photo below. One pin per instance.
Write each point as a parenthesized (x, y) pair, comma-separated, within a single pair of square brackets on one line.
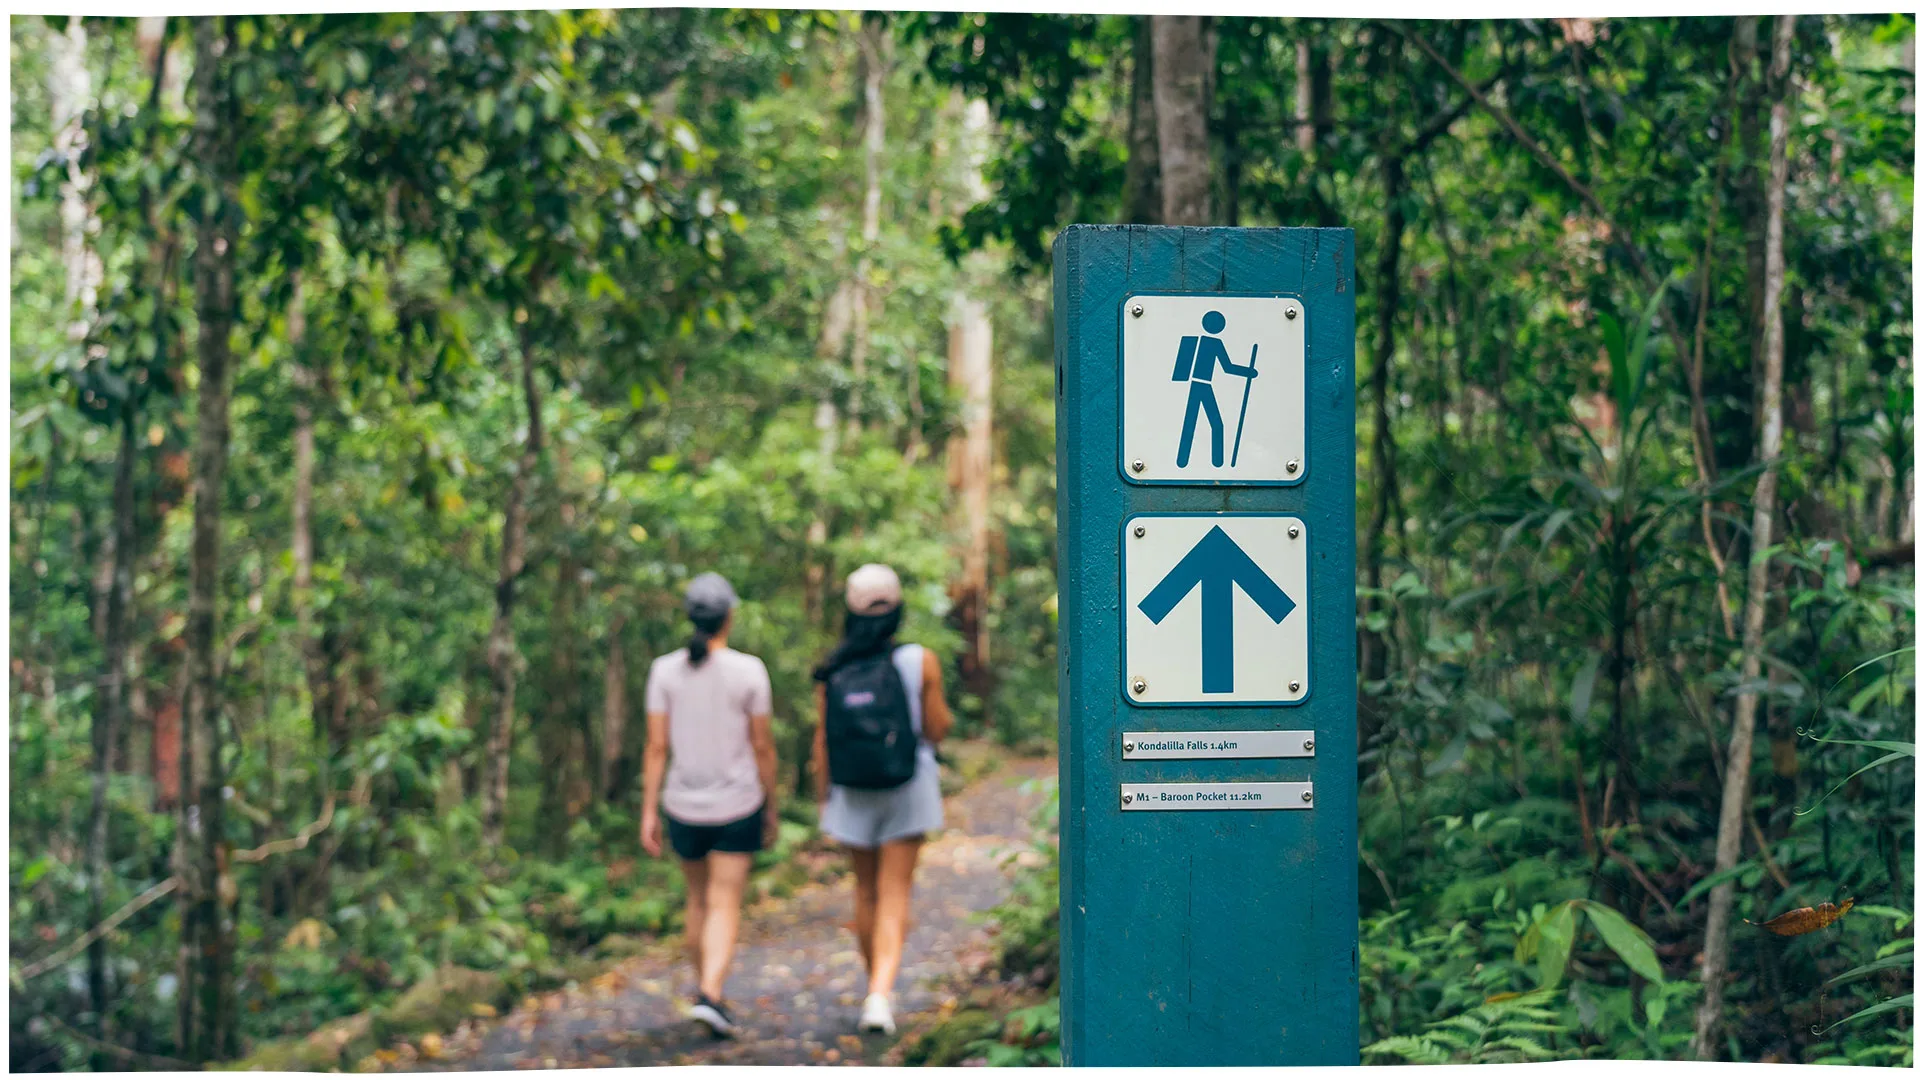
[(881, 713), (710, 738)]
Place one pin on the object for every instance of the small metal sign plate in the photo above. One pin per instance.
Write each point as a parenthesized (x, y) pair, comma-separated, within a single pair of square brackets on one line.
[(1213, 389), (1147, 745), (1264, 796)]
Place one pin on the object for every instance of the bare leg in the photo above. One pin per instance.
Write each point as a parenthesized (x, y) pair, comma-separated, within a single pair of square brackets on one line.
[(726, 884), (866, 892), (695, 871), (895, 880)]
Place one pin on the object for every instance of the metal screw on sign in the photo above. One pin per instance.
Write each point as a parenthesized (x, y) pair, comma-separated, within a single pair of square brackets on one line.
[(1125, 799), (1139, 531), (1139, 686), (1306, 796), (1293, 466), (1127, 746), (1306, 744), (1139, 311), (1293, 313), (1139, 466), (1294, 685), (1293, 532)]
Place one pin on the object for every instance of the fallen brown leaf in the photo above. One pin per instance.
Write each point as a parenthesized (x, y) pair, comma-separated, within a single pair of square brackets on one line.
[(1805, 920)]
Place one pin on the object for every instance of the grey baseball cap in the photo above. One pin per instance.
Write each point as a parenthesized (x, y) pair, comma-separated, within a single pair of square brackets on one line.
[(710, 596)]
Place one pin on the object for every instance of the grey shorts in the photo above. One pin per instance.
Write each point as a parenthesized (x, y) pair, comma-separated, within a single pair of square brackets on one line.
[(867, 819)]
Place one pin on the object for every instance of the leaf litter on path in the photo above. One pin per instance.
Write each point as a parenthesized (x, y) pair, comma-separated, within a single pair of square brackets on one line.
[(797, 980)]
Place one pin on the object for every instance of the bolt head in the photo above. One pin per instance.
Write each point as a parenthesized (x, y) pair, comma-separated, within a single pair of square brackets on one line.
[(1138, 311), (1306, 744), (1293, 466), (1128, 747), (1139, 686), (1125, 799), (1139, 531), (1294, 686), (1293, 313), (1139, 466), (1307, 795), (1293, 532)]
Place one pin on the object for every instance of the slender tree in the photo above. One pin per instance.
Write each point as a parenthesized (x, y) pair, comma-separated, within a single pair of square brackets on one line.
[(1734, 786), (1182, 71), (205, 995)]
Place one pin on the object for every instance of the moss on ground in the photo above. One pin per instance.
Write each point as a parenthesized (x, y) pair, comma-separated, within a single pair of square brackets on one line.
[(434, 1004)]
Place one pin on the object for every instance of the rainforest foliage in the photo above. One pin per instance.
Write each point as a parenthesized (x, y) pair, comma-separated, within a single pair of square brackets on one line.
[(379, 380)]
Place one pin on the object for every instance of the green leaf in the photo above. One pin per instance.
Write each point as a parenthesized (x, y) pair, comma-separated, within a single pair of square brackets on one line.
[(1614, 339), (1901, 960), (1554, 944), (1628, 941), (1904, 1001), (1877, 744), (1555, 522), (1900, 918), (1713, 879), (1582, 702), (1874, 764), (35, 870)]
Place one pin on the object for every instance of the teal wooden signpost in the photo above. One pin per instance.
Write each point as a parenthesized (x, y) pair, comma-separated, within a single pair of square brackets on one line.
[(1204, 436)]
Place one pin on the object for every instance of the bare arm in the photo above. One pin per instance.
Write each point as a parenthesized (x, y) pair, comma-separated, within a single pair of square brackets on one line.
[(820, 774), (760, 733), (655, 762), (936, 721), (654, 771)]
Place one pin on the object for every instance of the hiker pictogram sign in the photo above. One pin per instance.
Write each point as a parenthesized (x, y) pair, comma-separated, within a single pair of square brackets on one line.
[(1213, 389)]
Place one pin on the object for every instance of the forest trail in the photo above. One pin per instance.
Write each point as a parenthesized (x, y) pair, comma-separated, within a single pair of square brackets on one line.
[(797, 982)]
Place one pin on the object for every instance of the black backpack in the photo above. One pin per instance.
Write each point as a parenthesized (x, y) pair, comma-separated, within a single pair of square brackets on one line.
[(871, 744)]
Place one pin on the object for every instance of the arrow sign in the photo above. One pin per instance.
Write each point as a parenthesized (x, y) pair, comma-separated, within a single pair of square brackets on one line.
[(1216, 564)]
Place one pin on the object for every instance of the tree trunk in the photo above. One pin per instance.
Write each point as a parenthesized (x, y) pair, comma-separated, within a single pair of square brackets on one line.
[(1303, 96), (1733, 796), (110, 714), (70, 88), (1751, 197), (205, 992), (313, 654), (873, 63), (613, 706), (1373, 646), (557, 726), (1141, 198), (503, 656), (970, 471), (970, 456), (1313, 119), (1182, 71)]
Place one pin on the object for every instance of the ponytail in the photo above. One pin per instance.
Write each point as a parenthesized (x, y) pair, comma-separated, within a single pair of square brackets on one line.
[(699, 647)]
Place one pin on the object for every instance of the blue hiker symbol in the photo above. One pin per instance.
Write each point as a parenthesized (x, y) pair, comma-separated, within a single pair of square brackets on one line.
[(1198, 354)]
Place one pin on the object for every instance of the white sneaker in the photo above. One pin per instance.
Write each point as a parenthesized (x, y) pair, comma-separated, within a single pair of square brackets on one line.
[(877, 1015)]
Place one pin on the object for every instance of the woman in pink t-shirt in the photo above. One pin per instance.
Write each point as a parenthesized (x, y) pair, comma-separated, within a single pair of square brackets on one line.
[(710, 767)]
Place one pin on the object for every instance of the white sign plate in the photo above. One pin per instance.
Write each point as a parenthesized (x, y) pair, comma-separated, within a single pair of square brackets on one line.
[(1213, 390), (1286, 796), (1147, 745), (1216, 609)]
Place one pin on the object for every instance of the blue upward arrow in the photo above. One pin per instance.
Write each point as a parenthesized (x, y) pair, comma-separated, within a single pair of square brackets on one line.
[(1216, 564)]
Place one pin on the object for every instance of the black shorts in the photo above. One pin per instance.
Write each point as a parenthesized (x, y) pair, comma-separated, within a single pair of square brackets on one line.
[(693, 842)]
